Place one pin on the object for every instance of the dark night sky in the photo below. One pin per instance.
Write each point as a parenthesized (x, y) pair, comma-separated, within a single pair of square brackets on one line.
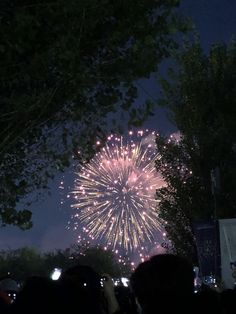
[(215, 20)]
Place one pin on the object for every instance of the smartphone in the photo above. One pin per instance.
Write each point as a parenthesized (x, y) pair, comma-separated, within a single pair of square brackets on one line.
[(56, 273)]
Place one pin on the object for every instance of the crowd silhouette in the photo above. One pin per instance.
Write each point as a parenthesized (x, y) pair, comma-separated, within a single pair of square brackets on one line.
[(163, 284)]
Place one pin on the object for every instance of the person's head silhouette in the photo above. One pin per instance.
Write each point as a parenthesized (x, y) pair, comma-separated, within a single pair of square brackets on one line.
[(163, 281)]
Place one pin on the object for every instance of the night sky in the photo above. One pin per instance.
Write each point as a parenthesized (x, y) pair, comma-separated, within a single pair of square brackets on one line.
[(215, 20)]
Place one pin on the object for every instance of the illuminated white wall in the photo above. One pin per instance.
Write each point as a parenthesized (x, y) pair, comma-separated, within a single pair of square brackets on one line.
[(227, 228)]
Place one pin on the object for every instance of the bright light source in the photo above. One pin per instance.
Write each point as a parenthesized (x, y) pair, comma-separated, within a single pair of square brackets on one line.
[(56, 274), (125, 281)]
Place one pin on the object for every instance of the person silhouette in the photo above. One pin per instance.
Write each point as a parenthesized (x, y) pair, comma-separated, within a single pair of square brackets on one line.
[(164, 282)]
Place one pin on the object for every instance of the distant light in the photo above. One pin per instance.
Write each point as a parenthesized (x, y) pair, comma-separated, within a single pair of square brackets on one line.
[(125, 281), (56, 274)]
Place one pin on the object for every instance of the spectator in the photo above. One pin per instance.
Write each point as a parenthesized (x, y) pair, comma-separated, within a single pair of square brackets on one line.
[(82, 289), (38, 295), (164, 283), (10, 287)]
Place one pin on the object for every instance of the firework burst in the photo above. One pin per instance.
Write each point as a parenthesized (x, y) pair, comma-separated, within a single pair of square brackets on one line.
[(115, 193)]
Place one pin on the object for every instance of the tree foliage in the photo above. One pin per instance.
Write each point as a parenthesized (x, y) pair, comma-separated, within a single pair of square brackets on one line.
[(104, 262), (20, 263), (201, 97), (25, 262), (65, 65), (180, 200)]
